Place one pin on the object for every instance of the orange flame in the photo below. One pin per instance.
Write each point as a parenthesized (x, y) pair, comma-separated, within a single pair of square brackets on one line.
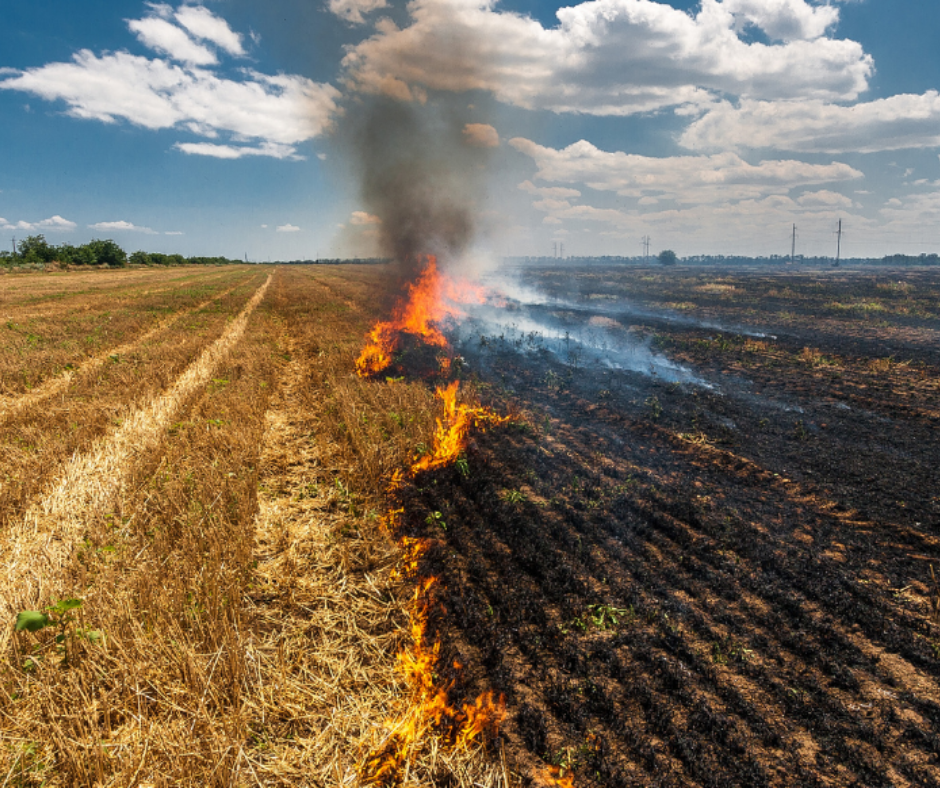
[(431, 709), (451, 434), (557, 777), (431, 299)]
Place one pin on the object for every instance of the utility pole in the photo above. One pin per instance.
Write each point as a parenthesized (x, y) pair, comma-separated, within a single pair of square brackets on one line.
[(646, 248), (14, 246), (793, 247), (839, 243)]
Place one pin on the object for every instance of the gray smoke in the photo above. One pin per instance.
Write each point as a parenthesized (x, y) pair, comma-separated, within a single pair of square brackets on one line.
[(418, 172)]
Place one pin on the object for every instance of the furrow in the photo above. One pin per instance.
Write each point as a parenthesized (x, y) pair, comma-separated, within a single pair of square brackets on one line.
[(39, 546), (12, 406)]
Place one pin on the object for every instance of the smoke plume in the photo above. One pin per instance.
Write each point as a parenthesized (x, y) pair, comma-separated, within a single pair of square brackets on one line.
[(421, 170)]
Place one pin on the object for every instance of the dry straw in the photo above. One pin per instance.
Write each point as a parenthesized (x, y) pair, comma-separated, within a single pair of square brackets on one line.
[(13, 406), (35, 549)]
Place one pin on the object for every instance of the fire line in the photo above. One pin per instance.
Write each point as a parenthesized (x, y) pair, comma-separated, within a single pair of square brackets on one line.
[(430, 300)]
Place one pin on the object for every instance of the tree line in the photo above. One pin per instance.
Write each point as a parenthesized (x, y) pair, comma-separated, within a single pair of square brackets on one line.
[(34, 249)]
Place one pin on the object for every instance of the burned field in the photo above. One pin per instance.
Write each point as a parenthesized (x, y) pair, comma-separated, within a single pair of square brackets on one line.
[(718, 574)]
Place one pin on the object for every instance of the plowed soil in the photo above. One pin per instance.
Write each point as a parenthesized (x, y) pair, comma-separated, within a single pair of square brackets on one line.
[(726, 584)]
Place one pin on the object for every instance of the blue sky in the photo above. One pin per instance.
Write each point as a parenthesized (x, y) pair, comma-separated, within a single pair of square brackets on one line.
[(710, 126)]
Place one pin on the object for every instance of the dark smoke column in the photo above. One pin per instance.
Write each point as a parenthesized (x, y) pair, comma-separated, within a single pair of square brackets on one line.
[(419, 172)]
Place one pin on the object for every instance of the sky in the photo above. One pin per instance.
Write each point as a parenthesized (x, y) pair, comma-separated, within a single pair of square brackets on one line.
[(710, 127)]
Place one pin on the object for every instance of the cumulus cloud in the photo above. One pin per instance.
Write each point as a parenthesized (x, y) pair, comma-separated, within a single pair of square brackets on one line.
[(480, 135), (561, 192), (262, 114), (609, 57), (352, 10), (721, 177), (52, 224), (363, 218), (785, 20), (166, 37), (202, 23), (121, 226), (288, 228), (894, 123), (825, 199)]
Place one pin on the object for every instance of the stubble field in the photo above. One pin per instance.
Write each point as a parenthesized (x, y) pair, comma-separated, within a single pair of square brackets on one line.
[(716, 578)]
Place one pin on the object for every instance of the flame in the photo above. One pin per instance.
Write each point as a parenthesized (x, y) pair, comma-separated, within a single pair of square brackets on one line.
[(450, 438), (431, 708), (431, 300), (557, 777)]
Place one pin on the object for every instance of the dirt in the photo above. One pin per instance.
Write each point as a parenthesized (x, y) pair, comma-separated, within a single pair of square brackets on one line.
[(716, 583)]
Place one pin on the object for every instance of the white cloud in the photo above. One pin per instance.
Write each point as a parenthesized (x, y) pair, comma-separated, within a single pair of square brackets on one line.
[(825, 199), (288, 228), (202, 23), (121, 226), (265, 115), (363, 218), (606, 57), (174, 232), (352, 10), (481, 135), (894, 123), (718, 178), (561, 192), (759, 226), (785, 20), (52, 224), (165, 37), (271, 149)]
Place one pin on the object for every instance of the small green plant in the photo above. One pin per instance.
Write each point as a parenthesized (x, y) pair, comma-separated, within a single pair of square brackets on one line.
[(60, 614), (463, 467), (727, 650), (607, 617), (655, 407), (799, 430), (514, 496), (553, 381), (601, 617), (436, 518)]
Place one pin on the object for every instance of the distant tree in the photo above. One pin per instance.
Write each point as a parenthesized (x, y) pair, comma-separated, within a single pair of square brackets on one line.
[(75, 255), (140, 258), (34, 249), (667, 257), (107, 253)]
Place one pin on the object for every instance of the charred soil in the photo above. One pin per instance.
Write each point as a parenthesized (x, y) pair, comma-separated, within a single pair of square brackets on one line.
[(718, 584)]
